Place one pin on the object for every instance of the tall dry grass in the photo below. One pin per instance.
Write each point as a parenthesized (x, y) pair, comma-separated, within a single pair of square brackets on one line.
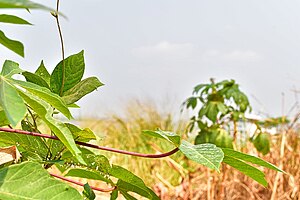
[(177, 178)]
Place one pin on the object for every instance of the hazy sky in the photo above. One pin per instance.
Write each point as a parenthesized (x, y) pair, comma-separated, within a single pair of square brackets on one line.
[(162, 48)]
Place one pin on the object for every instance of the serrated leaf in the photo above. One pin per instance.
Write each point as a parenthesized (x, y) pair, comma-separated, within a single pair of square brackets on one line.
[(46, 95), (74, 69), (166, 135), (249, 158), (10, 68), (81, 89), (44, 111), (89, 174), (130, 182), (246, 169), (4, 18), (30, 181), (33, 78), (43, 73), (11, 102), (12, 45), (88, 192), (206, 154)]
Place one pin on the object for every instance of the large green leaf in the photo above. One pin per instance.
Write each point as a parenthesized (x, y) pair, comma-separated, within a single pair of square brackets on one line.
[(89, 174), (246, 169), (30, 181), (13, 45), (166, 135), (81, 89), (72, 73), (44, 111), (33, 78), (46, 95), (249, 158), (13, 19), (130, 182), (43, 73), (206, 154), (11, 102)]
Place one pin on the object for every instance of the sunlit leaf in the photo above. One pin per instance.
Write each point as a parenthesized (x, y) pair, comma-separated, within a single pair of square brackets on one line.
[(30, 181), (166, 135), (73, 72), (206, 154), (81, 89), (43, 73)]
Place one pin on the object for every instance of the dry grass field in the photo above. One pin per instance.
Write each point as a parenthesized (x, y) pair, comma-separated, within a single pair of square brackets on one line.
[(176, 178)]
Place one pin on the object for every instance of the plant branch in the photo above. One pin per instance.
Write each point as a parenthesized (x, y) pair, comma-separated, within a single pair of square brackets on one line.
[(91, 145), (81, 184), (56, 15)]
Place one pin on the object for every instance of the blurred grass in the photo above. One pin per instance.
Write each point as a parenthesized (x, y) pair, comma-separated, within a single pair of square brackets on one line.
[(176, 178)]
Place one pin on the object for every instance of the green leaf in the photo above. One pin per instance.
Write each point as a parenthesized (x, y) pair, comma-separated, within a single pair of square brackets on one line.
[(44, 111), (3, 119), (29, 146), (10, 68), (114, 195), (127, 196), (74, 69), (11, 102), (92, 161), (43, 73), (89, 174), (13, 45), (88, 192), (22, 4), (249, 158), (30, 181), (246, 169), (191, 102), (13, 19), (210, 110), (262, 143), (46, 95), (166, 135), (33, 78), (82, 135), (81, 89), (130, 182), (206, 154)]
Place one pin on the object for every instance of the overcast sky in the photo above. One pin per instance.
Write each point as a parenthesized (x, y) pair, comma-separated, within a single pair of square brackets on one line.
[(162, 49)]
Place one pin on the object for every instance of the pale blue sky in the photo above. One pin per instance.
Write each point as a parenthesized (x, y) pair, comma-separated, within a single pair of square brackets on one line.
[(162, 49)]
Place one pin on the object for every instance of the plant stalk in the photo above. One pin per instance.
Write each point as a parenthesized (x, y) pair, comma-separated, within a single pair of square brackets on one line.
[(92, 145), (81, 184)]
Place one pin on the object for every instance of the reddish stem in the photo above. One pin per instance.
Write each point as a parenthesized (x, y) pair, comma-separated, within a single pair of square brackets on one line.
[(81, 184), (92, 145)]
